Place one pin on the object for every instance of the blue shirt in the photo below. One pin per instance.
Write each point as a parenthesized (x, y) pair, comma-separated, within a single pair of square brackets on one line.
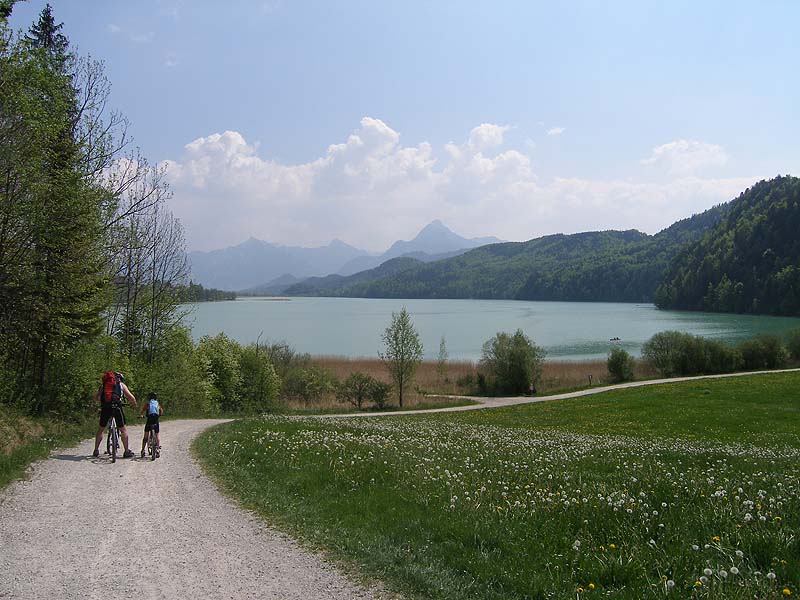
[(152, 407)]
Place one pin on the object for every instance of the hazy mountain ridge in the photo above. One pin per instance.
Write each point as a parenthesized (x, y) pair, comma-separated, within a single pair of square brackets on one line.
[(255, 261), (620, 266), (434, 242), (257, 266)]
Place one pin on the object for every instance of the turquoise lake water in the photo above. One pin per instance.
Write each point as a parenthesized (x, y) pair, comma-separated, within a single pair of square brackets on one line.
[(567, 330)]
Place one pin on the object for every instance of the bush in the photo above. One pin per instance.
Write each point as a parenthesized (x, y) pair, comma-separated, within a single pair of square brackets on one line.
[(765, 351), (678, 353), (793, 344), (620, 365), (719, 357), (356, 389), (259, 384), (309, 384), (219, 357), (514, 362), (180, 376), (380, 394)]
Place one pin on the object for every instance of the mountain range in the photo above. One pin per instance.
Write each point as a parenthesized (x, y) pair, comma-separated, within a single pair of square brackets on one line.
[(611, 266), (257, 266), (741, 256)]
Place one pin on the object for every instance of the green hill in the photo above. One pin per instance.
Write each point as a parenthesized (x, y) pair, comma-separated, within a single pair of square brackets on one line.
[(614, 266), (749, 262)]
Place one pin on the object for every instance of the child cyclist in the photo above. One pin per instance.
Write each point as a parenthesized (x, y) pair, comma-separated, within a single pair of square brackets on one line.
[(154, 411)]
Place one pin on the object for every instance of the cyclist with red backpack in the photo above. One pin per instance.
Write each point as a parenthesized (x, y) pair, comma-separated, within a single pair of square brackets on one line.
[(110, 395)]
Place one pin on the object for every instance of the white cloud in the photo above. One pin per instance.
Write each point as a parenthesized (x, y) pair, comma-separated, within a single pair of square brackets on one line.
[(114, 28), (171, 61), (686, 156), (556, 131), (486, 136), (371, 190)]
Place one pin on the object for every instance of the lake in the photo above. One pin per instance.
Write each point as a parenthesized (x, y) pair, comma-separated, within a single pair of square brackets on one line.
[(567, 330)]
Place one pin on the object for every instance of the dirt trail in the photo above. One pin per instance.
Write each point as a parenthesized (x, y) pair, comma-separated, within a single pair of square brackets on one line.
[(82, 527)]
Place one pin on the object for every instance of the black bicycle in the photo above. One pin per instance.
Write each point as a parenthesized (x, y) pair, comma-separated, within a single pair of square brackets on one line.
[(152, 445), (112, 441)]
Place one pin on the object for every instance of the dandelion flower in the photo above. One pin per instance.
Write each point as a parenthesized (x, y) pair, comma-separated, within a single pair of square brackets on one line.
[(734, 571), (771, 576), (786, 592), (708, 572), (704, 580)]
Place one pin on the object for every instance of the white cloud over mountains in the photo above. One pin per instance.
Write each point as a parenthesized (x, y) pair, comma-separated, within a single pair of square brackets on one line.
[(371, 190), (687, 156)]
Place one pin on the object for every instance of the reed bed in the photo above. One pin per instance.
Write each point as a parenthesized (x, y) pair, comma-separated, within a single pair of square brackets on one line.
[(458, 379)]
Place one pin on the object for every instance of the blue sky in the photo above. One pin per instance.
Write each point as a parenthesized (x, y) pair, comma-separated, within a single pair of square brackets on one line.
[(298, 122)]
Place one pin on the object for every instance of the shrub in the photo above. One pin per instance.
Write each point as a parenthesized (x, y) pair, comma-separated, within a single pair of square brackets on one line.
[(356, 389), (180, 376), (514, 362), (678, 353), (259, 385), (620, 365), (765, 351), (309, 384), (720, 357), (793, 344), (219, 356), (380, 394)]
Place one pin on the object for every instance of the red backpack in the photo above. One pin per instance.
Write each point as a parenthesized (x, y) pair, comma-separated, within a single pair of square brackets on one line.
[(112, 387)]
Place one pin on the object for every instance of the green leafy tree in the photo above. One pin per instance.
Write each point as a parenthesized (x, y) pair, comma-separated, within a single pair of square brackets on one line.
[(356, 389), (441, 361), (220, 356), (402, 351), (514, 362), (380, 394), (259, 384), (793, 344), (620, 365)]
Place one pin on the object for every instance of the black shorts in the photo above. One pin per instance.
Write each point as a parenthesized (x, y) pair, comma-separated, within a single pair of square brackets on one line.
[(106, 410), (152, 423)]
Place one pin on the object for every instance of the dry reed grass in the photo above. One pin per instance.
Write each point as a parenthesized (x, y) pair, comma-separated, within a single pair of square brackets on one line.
[(557, 376)]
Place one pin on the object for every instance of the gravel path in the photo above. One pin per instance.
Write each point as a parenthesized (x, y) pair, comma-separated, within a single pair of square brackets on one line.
[(81, 527)]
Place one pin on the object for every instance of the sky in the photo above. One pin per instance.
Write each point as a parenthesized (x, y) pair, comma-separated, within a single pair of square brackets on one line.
[(299, 122)]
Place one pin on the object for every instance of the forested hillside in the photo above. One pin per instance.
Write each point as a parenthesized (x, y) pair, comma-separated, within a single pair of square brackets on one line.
[(749, 262), (619, 266)]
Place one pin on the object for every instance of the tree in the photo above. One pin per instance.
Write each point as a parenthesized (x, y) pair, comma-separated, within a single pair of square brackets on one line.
[(402, 352), (356, 389), (620, 364), (514, 361), (441, 362)]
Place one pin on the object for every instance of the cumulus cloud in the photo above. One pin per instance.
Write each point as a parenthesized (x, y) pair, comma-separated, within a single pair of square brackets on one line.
[(686, 156), (556, 131), (371, 189), (486, 136)]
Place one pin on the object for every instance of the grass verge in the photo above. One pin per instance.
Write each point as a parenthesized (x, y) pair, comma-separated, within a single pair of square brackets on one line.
[(688, 490), (24, 440)]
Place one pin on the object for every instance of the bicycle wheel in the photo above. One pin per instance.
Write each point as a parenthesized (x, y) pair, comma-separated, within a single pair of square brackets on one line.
[(152, 443), (114, 434)]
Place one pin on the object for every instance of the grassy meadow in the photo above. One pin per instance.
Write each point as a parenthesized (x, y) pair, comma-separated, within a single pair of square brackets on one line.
[(686, 490)]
